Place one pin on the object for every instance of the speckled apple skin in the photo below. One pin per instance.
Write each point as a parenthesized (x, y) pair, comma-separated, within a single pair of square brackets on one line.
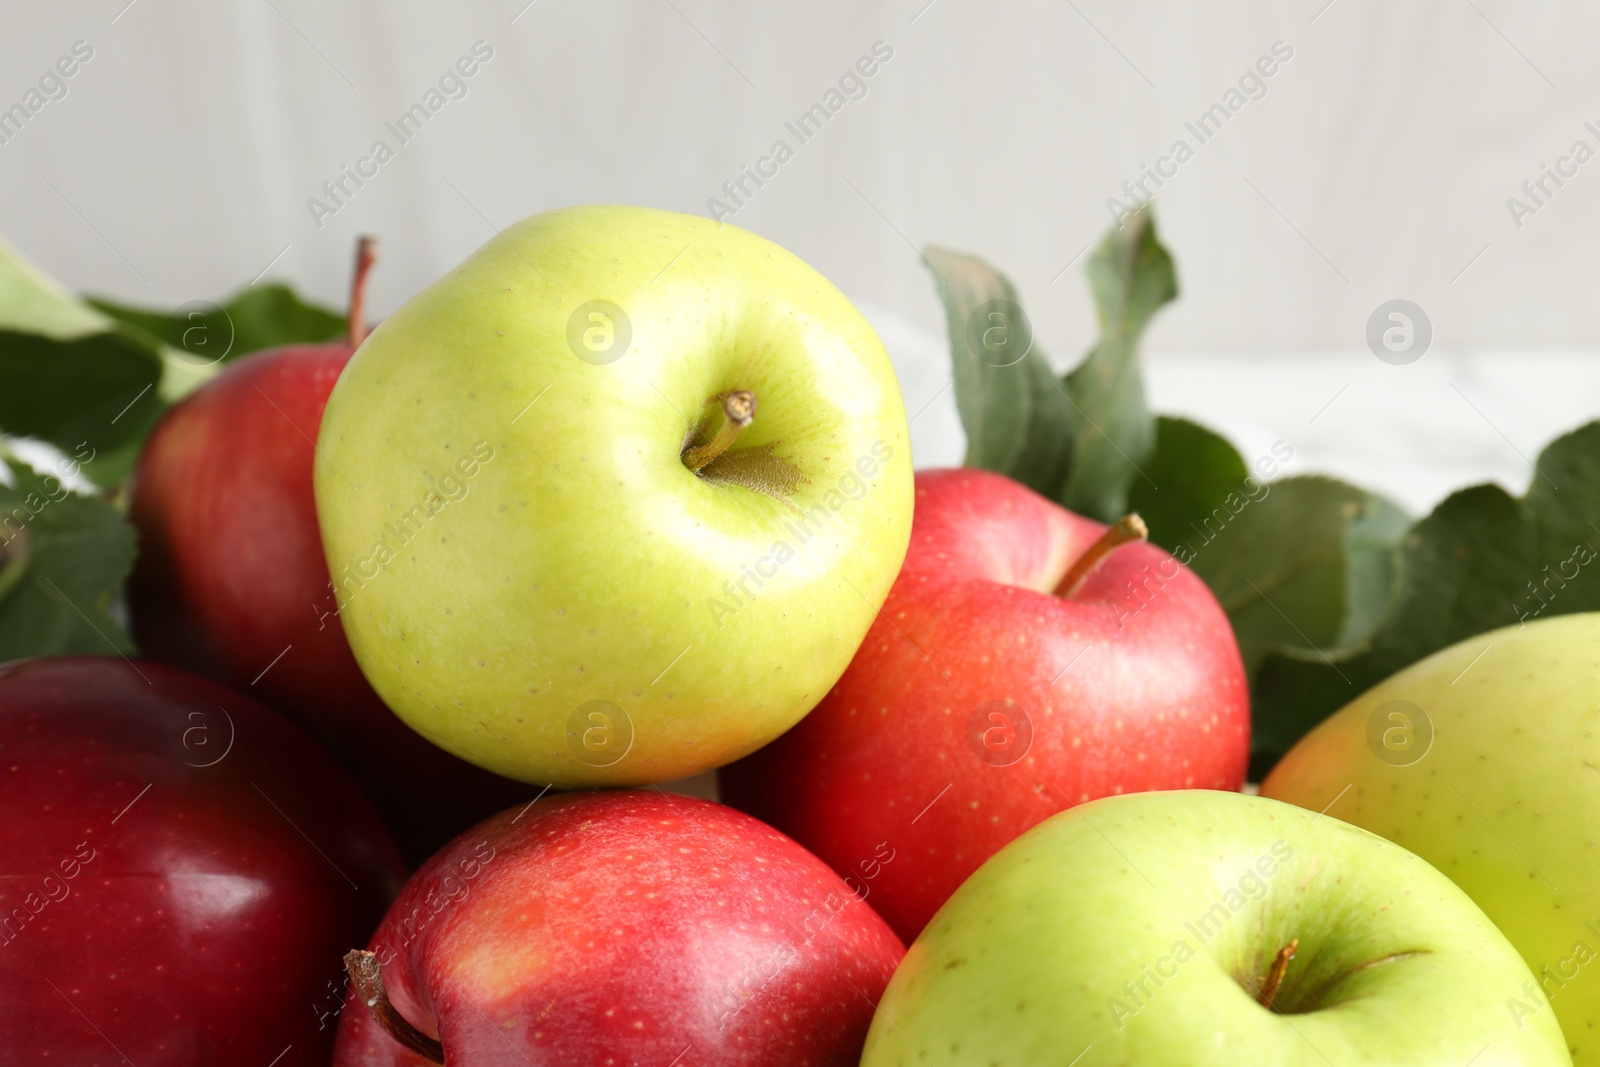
[(580, 560), (1506, 801), (180, 870), (1121, 699), (231, 582), (1066, 944), (627, 928)]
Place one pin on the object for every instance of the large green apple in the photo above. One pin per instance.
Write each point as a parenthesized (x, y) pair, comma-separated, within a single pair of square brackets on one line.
[(1484, 759), (615, 500), (1150, 928)]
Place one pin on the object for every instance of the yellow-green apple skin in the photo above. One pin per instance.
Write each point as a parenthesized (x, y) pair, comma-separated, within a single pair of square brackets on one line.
[(1484, 759), (1138, 929), (529, 573)]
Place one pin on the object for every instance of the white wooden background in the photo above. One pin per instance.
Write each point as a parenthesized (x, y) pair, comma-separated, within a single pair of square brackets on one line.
[(1377, 165)]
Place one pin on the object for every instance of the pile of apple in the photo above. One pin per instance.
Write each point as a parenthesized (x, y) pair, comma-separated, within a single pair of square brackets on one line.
[(627, 497)]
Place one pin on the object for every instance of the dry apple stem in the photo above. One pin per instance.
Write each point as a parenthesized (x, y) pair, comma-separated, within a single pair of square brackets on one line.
[(356, 325), (366, 974), (1124, 531), (1275, 973), (738, 410)]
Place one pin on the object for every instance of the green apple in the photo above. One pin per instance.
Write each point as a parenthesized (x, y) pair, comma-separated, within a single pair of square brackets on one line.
[(615, 500), (1154, 928), (1484, 759)]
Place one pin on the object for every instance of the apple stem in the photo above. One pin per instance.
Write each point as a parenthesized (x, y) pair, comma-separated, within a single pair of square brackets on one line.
[(738, 410), (1275, 973), (356, 325), (366, 974), (1124, 531)]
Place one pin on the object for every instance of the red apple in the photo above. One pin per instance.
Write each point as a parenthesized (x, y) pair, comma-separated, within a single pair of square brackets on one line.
[(1023, 663), (231, 582), (179, 870), (625, 928)]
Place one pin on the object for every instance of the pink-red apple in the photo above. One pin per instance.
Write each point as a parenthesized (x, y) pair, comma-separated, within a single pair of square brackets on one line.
[(231, 582), (180, 869), (624, 928), (1027, 660)]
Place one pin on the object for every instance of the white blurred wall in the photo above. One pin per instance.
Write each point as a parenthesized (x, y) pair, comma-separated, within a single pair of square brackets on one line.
[(1377, 165)]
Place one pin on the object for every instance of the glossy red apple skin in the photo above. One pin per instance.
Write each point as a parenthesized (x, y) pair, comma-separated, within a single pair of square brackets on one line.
[(1121, 698), (231, 573), (628, 927), (158, 910)]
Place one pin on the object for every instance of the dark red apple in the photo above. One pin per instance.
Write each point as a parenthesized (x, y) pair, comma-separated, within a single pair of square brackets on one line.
[(231, 582), (180, 869), (626, 928), (1025, 661)]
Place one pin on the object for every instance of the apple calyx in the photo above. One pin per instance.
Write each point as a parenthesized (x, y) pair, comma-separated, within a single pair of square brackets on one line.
[(356, 324), (1275, 974), (366, 974), (1124, 531), (735, 410)]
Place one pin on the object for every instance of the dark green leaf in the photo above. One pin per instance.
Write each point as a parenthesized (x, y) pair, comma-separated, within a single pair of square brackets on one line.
[(255, 318), (77, 379), (1482, 560), (93, 396), (1190, 470), (1016, 414), (1277, 556), (62, 558), (1373, 562), (1131, 277)]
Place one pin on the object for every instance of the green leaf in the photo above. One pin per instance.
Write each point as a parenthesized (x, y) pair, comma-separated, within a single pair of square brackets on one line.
[(33, 302), (1082, 440), (255, 318), (1303, 565), (71, 376), (1131, 277), (1190, 470), (1372, 579), (92, 378), (1016, 415), (1277, 556), (96, 392), (1482, 560), (95, 397), (62, 558)]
